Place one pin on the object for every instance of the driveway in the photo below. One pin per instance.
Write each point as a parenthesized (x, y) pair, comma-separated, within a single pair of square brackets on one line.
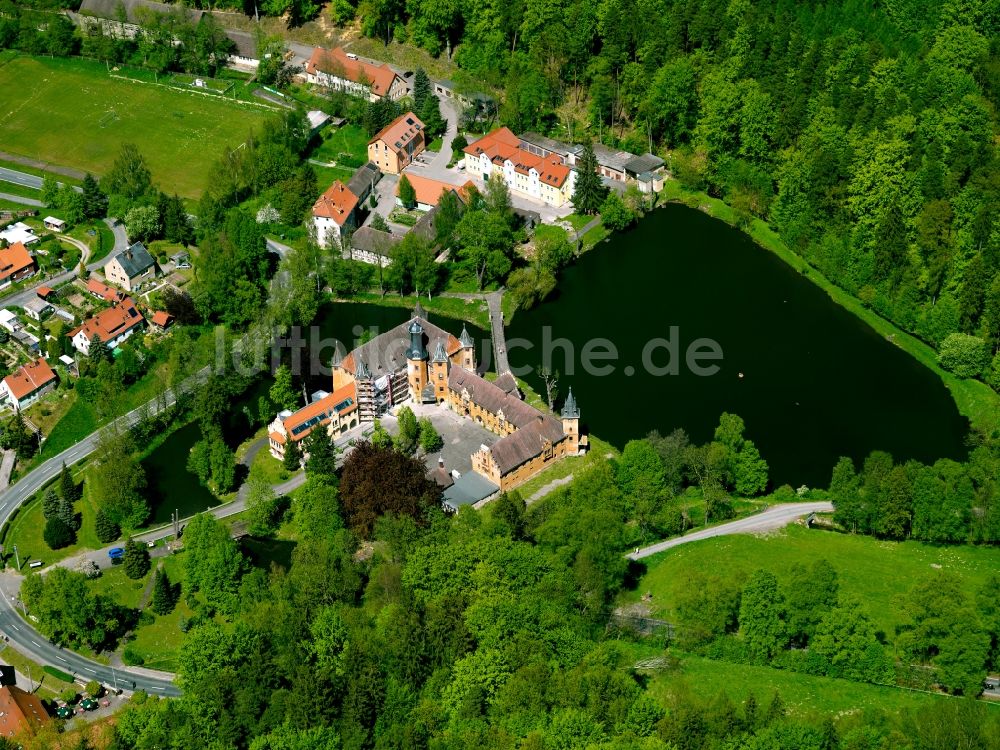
[(450, 112), (773, 518), (386, 192)]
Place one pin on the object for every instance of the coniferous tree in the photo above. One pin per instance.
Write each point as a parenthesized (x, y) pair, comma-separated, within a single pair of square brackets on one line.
[(293, 456), (163, 594), (95, 202), (57, 534), (67, 487), (421, 89), (50, 504), (322, 456), (135, 560), (589, 192), (107, 530), (66, 513)]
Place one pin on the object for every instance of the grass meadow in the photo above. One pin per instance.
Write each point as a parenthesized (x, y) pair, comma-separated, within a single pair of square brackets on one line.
[(72, 112)]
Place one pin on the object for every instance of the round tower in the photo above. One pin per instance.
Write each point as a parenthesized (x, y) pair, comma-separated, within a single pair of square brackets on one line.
[(416, 361)]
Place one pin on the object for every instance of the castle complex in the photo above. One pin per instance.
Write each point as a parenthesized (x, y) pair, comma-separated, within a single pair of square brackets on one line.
[(421, 363)]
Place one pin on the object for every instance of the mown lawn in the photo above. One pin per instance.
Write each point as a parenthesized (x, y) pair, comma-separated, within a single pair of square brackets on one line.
[(114, 584), (27, 528), (803, 695), (348, 139), (876, 572), (76, 115), (158, 642)]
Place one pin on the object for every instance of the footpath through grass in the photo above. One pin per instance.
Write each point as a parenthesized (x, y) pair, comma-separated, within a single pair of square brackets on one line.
[(70, 111), (975, 400)]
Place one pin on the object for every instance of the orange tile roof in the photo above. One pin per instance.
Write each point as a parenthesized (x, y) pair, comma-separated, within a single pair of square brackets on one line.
[(428, 190), (336, 62), (29, 378), (502, 145), (336, 203), (44, 291), (14, 259), (277, 437), (20, 711), (105, 292), (322, 409), (400, 131), (161, 318), (111, 323)]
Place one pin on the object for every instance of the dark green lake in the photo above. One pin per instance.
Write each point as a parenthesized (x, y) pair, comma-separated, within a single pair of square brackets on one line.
[(170, 485), (817, 382)]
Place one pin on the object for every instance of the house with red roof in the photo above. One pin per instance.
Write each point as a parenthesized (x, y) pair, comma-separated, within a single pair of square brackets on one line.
[(21, 713), (111, 326), (161, 320), (394, 146), (335, 412), (102, 291), (27, 384), (429, 190), (342, 71), (544, 178), (334, 212), (16, 264)]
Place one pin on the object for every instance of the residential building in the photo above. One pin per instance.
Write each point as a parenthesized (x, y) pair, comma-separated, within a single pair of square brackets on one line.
[(102, 291), (112, 326), (19, 233), (161, 320), (335, 412), (543, 178), (645, 170), (363, 181), (21, 712), (429, 191), (8, 319), (394, 147), (131, 267), (342, 71), (334, 213), (27, 384), (16, 264), (37, 308), (372, 246)]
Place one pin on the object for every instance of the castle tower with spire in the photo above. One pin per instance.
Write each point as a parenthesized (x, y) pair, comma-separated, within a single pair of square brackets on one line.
[(439, 372), (468, 357), (571, 424), (416, 362)]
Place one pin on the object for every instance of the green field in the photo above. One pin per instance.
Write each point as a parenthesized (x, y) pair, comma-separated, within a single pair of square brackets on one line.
[(157, 643), (803, 695), (876, 572), (72, 112)]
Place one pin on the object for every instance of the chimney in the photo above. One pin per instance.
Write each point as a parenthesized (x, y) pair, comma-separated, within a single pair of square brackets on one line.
[(440, 462)]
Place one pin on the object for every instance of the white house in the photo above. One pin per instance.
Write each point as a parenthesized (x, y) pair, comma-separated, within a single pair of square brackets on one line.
[(27, 384), (112, 326), (334, 213)]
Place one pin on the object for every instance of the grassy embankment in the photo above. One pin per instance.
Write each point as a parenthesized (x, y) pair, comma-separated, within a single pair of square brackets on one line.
[(975, 400)]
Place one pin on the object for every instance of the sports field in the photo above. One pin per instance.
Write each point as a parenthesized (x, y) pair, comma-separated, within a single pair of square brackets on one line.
[(72, 112)]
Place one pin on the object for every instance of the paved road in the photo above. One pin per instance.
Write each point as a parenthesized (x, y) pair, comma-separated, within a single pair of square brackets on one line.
[(22, 636), (775, 517), (278, 249), (450, 112), (30, 202), (25, 180)]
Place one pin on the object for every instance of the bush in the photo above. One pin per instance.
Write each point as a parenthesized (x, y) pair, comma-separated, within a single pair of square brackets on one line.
[(58, 674), (966, 356), (145, 618), (57, 534), (107, 530), (132, 657), (136, 560), (94, 689), (68, 695)]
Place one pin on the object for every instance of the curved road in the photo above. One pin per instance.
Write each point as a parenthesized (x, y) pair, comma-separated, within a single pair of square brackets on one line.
[(25, 638), (775, 517)]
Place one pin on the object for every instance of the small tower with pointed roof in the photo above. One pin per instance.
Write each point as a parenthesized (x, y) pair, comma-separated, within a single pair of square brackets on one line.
[(416, 361), (468, 350), (571, 423), (439, 371), (419, 312)]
